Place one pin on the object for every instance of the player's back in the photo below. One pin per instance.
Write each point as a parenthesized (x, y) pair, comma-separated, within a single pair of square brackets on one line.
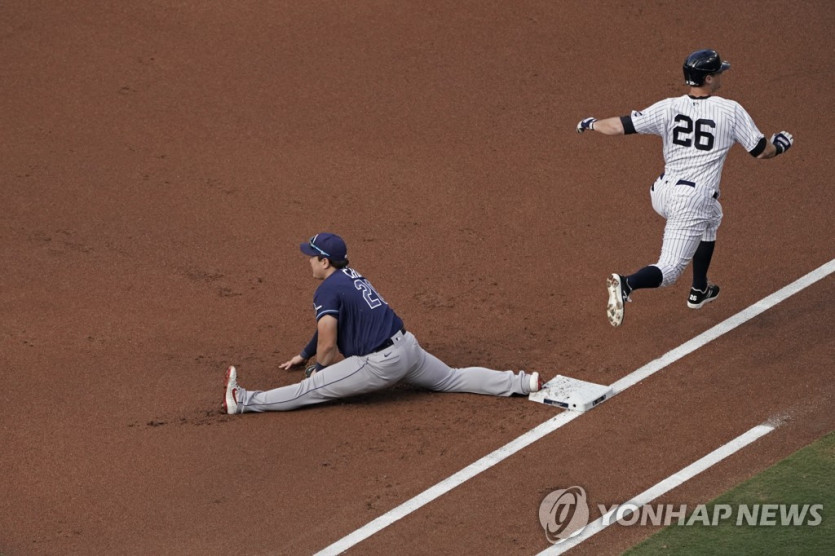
[(365, 319), (697, 133)]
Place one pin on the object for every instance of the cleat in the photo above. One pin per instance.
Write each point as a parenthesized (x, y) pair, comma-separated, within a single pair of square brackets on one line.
[(698, 298), (617, 299), (230, 402), (535, 382)]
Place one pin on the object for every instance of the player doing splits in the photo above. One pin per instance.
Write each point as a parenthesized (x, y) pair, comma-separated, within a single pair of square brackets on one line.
[(697, 130), (354, 320)]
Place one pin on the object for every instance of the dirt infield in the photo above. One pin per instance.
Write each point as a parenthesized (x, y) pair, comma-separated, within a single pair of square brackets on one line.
[(162, 161)]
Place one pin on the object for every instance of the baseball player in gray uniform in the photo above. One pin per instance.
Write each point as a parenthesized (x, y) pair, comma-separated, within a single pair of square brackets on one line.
[(354, 320), (697, 130)]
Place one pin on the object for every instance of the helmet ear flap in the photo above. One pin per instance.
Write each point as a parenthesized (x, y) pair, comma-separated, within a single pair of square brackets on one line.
[(690, 79), (694, 77)]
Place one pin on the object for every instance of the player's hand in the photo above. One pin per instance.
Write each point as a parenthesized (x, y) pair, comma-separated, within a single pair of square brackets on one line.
[(782, 141), (294, 362), (586, 124)]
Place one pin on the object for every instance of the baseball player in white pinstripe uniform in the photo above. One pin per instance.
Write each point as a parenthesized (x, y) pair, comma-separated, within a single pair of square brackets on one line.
[(697, 130)]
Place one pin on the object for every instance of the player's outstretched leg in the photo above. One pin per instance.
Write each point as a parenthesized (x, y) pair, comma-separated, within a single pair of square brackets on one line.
[(433, 374)]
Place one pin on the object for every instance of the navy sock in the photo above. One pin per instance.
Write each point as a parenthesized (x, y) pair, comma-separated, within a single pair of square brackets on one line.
[(701, 262), (647, 277)]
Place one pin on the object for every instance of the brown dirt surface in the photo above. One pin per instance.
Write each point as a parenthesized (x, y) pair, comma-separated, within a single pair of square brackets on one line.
[(162, 161)]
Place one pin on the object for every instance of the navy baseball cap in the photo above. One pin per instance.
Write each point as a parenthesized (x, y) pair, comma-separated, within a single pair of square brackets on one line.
[(326, 245)]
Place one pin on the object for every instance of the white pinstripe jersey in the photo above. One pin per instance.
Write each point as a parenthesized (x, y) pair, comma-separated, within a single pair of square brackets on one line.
[(697, 134)]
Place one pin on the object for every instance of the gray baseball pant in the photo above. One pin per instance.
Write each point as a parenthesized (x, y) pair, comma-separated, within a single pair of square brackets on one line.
[(404, 361)]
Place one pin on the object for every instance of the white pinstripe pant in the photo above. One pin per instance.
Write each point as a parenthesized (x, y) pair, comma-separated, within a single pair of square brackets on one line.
[(693, 215)]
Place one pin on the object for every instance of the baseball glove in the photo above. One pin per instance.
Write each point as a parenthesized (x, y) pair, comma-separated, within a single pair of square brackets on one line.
[(312, 370)]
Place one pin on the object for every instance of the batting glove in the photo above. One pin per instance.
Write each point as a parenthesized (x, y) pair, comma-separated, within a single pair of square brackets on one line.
[(586, 124), (782, 141)]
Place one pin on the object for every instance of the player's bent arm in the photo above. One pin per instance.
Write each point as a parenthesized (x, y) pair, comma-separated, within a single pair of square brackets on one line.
[(609, 126), (779, 143), (327, 351), (770, 151)]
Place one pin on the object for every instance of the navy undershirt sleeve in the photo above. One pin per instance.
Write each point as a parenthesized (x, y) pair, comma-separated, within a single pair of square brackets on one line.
[(310, 349), (757, 151), (628, 128)]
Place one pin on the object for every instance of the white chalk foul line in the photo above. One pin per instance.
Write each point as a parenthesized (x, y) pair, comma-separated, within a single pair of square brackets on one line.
[(663, 487), (724, 327), (450, 483), (561, 419)]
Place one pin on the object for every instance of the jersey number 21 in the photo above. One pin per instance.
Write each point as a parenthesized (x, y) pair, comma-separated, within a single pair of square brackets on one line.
[(369, 293)]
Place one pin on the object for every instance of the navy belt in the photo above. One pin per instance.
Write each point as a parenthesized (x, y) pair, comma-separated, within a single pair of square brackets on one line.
[(693, 184), (389, 342)]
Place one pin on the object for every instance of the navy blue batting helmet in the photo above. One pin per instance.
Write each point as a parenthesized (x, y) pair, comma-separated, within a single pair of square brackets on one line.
[(702, 63)]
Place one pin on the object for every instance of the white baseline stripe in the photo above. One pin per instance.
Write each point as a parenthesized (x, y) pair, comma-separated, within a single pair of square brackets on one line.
[(663, 487), (561, 419)]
